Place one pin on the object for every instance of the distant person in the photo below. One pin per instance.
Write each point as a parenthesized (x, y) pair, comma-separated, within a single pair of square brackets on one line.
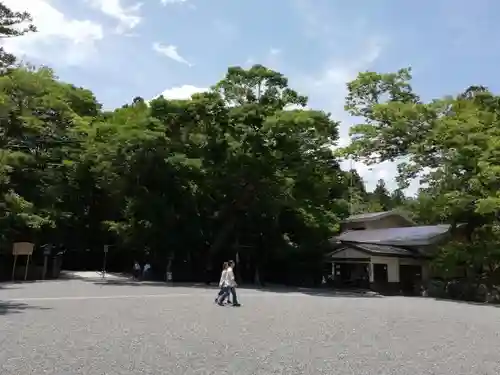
[(208, 273), (136, 272), (223, 282), (145, 272), (231, 286)]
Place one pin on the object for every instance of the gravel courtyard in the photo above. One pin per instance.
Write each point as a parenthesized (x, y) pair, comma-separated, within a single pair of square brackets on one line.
[(84, 327)]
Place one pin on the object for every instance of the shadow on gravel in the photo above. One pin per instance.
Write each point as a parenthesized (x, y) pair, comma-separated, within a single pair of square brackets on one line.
[(19, 284), (5, 285), (484, 304), (271, 289), (7, 307), (455, 301), (10, 285)]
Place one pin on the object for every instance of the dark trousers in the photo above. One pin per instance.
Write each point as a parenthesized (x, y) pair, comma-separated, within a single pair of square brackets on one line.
[(221, 292), (229, 290)]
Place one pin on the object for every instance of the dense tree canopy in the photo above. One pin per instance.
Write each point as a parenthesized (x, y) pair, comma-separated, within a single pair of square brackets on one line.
[(452, 144), (230, 170), (236, 171), (12, 24)]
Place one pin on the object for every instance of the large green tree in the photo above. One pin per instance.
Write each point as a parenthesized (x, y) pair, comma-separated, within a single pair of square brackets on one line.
[(12, 24), (452, 144), (189, 182), (194, 180), (381, 196), (40, 122)]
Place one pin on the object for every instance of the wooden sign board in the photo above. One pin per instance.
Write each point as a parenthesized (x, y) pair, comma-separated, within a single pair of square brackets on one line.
[(22, 248)]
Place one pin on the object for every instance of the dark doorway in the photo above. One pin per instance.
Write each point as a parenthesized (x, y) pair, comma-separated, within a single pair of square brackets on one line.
[(410, 276), (352, 275), (380, 273)]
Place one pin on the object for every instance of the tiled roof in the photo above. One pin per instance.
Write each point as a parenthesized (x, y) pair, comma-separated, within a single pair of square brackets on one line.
[(368, 215), (375, 216), (405, 236)]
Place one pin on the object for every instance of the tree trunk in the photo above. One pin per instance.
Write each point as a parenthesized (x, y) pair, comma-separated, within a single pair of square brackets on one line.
[(257, 277)]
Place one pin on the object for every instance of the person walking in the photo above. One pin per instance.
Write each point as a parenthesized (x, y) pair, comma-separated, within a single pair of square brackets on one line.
[(145, 272), (231, 286), (136, 270), (223, 282)]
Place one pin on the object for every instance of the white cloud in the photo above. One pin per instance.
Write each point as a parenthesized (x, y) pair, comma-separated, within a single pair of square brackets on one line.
[(182, 92), (59, 40), (293, 107), (327, 90), (181, 2), (170, 51), (128, 17)]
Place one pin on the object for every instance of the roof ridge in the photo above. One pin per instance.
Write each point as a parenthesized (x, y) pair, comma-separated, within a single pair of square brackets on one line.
[(406, 236)]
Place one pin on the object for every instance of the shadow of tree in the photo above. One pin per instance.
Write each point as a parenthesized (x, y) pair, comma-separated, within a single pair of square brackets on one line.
[(486, 304), (10, 307), (272, 289)]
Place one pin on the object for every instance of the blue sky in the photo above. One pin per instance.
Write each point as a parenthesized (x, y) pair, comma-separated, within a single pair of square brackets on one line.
[(121, 48)]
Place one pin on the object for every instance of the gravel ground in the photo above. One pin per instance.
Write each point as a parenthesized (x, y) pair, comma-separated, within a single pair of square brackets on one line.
[(80, 327)]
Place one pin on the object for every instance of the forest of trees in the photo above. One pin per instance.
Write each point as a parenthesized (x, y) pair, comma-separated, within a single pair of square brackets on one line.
[(233, 170)]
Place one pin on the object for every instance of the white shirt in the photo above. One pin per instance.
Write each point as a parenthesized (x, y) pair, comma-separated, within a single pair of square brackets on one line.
[(223, 277), (230, 277), (147, 267)]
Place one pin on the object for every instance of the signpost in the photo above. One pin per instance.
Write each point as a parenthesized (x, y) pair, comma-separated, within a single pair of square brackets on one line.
[(21, 248), (106, 248), (46, 253)]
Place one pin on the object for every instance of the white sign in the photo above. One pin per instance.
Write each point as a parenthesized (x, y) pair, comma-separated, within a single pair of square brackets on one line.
[(22, 248), (106, 247)]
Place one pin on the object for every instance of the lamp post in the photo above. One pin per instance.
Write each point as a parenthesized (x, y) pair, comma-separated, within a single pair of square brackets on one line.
[(106, 248)]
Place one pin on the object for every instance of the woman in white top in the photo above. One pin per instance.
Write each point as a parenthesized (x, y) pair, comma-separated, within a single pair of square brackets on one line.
[(223, 281), (136, 270), (230, 288)]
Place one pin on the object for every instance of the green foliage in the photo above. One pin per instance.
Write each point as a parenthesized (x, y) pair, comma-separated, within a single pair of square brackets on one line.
[(452, 144), (12, 24), (382, 196), (185, 178), (232, 169), (39, 135)]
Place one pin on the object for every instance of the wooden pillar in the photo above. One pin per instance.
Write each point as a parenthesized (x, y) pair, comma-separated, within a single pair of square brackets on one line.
[(393, 271), (26, 268), (45, 263), (14, 267), (372, 278)]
